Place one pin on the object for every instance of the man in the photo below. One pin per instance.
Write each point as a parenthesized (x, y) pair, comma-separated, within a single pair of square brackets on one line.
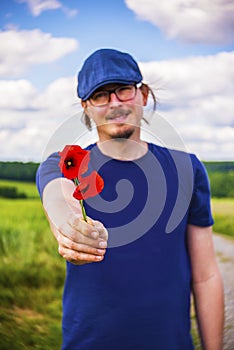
[(131, 290)]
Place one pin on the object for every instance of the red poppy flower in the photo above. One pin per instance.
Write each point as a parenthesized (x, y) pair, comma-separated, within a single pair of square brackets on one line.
[(73, 161), (89, 186)]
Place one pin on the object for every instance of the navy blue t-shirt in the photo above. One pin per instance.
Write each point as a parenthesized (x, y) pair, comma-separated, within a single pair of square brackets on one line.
[(138, 297)]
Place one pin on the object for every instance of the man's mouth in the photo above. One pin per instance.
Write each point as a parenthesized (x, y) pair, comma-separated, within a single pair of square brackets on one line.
[(119, 117)]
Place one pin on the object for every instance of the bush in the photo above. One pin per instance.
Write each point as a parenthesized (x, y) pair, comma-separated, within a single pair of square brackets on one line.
[(222, 184), (11, 192)]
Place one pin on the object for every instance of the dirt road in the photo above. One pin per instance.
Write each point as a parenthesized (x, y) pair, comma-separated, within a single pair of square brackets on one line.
[(224, 248)]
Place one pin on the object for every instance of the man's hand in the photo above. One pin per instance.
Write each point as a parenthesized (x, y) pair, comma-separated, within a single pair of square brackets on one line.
[(82, 242), (79, 242)]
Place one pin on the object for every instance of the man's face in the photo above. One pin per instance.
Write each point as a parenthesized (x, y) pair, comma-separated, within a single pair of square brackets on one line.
[(117, 119)]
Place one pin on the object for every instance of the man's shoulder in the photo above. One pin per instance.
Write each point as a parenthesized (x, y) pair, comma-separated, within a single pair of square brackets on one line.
[(90, 147), (168, 153), (180, 158)]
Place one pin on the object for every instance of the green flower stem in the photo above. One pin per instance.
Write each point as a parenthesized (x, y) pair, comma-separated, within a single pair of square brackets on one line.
[(81, 202), (83, 210)]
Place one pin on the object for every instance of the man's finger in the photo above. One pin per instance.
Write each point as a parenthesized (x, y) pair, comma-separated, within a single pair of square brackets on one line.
[(67, 243), (79, 257), (85, 228), (103, 233)]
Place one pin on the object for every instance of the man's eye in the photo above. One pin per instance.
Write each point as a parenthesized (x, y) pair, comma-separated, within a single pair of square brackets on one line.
[(99, 95), (125, 89)]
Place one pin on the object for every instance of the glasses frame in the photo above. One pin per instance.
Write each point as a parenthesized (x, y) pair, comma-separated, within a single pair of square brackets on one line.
[(111, 91)]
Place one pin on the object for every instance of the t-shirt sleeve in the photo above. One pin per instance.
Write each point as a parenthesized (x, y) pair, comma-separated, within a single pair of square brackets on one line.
[(200, 207), (48, 171)]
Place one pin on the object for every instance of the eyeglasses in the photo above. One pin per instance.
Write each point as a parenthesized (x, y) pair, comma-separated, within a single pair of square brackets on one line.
[(123, 93)]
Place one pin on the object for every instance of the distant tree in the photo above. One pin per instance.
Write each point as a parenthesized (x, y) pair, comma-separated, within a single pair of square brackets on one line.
[(219, 166), (18, 171), (222, 184)]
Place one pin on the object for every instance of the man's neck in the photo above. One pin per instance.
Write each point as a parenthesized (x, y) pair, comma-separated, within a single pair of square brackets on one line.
[(123, 149)]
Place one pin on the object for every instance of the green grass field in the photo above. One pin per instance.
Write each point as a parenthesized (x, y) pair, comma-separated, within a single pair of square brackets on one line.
[(31, 275), (223, 212), (32, 272)]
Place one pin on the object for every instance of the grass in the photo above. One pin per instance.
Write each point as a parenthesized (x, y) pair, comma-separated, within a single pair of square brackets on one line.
[(223, 212), (32, 273), (31, 278)]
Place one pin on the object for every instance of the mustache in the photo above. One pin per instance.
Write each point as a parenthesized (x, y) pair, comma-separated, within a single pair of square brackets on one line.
[(118, 112)]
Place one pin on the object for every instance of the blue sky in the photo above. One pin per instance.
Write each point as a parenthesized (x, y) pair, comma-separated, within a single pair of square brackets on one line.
[(186, 47)]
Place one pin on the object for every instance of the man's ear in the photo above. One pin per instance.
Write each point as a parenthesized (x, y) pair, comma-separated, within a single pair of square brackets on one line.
[(86, 118), (145, 93), (85, 107), (83, 104)]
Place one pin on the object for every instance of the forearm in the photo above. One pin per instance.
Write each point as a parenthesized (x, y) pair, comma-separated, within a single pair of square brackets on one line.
[(59, 203), (209, 304)]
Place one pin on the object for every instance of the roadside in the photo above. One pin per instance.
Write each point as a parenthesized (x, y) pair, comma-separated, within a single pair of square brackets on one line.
[(224, 248)]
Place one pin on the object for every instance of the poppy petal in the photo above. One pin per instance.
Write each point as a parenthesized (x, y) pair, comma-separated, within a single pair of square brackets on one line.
[(89, 186), (74, 161)]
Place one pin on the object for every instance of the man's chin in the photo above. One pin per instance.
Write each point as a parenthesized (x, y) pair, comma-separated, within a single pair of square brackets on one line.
[(122, 134), (117, 131)]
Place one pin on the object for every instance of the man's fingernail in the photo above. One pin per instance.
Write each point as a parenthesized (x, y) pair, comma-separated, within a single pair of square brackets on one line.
[(102, 244), (99, 257)]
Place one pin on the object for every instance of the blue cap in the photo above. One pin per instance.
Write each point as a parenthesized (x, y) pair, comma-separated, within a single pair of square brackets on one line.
[(106, 66)]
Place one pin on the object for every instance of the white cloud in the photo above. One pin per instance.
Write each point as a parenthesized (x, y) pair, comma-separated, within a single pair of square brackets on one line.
[(200, 21), (202, 85), (38, 6), (21, 95), (60, 94), (29, 117), (21, 103), (16, 94), (195, 95), (21, 49)]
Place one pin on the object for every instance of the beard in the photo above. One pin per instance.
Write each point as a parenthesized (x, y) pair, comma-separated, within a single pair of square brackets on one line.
[(122, 135), (119, 132)]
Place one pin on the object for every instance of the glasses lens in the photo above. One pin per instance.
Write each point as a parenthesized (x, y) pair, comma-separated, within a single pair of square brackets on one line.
[(125, 93), (100, 98)]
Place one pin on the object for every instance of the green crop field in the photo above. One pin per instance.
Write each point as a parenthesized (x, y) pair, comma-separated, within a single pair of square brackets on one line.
[(31, 275), (32, 272), (223, 212)]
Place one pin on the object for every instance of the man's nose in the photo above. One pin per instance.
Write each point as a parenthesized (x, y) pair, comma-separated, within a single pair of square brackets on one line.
[(114, 98)]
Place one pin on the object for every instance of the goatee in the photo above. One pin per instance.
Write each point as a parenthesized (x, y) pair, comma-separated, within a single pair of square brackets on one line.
[(122, 135)]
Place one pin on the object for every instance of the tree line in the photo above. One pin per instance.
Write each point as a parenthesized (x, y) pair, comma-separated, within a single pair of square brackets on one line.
[(221, 175), (18, 171)]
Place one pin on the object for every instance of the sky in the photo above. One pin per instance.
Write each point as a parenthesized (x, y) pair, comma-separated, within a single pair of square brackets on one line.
[(185, 50)]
